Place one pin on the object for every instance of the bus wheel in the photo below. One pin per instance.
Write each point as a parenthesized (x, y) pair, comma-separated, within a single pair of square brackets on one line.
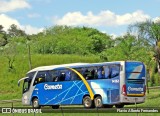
[(119, 105), (87, 102), (55, 106), (98, 102), (108, 106), (35, 103)]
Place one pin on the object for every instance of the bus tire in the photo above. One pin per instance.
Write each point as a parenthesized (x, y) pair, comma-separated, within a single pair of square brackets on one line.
[(119, 105), (55, 106), (108, 106), (87, 102), (35, 103), (98, 102)]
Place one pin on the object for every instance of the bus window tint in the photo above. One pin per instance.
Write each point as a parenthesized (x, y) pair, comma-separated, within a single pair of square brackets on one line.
[(26, 85), (41, 77), (31, 75), (55, 75), (27, 82), (88, 73), (74, 75), (107, 72), (115, 70), (100, 72), (67, 75), (63, 75)]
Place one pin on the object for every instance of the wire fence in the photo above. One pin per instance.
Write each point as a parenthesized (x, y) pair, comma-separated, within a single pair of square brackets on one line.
[(156, 87)]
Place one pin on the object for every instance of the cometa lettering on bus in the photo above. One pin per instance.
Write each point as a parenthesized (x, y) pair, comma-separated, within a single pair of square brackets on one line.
[(49, 87), (135, 89)]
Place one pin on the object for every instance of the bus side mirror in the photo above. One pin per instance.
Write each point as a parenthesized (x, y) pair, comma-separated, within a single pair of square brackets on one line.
[(18, 84)]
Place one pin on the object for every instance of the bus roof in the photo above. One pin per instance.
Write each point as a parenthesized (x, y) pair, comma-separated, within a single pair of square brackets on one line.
[(75, 65), (58, 66), (71, 65)]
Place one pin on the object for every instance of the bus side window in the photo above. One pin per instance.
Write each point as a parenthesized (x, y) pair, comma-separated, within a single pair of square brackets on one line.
[(67, 75), (93, 73), (115, 70), (48, 77), (62, 76), (86, 74), (40, 78), (100, 74), (90, 73), (74, 76), (55, 75), (107, 72)]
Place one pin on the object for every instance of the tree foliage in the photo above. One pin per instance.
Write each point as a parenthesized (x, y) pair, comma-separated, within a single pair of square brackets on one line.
[(150, 31), (3, 37), (72, 40), (14, 31)]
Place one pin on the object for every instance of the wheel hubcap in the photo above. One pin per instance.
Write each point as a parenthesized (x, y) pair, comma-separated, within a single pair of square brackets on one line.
[(35, 104), (98, 102), (87, 103)]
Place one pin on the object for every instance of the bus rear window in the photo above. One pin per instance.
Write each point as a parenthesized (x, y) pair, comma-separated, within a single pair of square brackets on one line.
[(134, 67)]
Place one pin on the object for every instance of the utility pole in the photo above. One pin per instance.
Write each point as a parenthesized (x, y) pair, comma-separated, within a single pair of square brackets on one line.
[(29, 57)]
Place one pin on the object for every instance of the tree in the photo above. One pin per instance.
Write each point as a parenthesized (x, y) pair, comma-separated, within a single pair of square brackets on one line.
[(150, 31), (13, 31), (3, 37), (10, 52), (128, 47), (72, 40), (1, 29)]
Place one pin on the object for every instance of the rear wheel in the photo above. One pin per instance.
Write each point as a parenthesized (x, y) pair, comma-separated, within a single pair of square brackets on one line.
[(98, 102), (35, 103), (108, 106), (119, 105), (87, 102)]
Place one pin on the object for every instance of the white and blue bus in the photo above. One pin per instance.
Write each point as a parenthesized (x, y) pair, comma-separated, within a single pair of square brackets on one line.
[(92, 84)]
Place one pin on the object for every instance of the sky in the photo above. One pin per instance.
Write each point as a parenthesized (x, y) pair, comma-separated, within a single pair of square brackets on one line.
[(108, 16)]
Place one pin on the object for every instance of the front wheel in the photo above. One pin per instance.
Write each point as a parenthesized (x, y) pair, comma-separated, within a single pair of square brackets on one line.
[(35, 103), (87, 102), (98, 102)]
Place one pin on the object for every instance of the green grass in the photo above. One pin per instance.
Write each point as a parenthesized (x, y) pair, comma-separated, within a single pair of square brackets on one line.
[(152, 99)]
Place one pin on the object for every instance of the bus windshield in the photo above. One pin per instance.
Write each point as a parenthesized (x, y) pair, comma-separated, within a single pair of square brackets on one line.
[(27, 82)]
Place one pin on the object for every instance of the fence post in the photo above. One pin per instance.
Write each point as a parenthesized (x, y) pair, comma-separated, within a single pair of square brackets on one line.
[(12, 109), (136, 105)]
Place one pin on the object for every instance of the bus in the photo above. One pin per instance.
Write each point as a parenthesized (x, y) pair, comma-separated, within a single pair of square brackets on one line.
[(104, 84)]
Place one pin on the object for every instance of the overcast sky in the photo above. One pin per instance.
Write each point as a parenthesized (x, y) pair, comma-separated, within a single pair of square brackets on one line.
[(109, 16)]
